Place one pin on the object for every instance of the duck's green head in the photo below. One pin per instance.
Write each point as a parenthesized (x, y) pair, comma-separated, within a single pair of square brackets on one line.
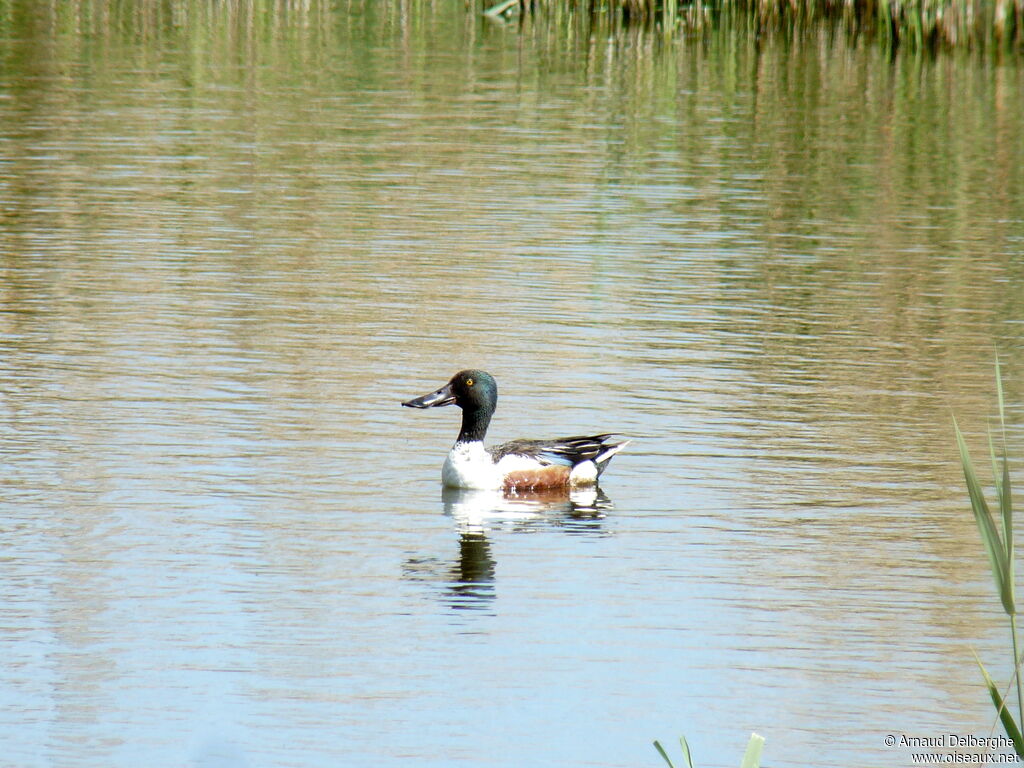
[(475, 392), (471, 390)]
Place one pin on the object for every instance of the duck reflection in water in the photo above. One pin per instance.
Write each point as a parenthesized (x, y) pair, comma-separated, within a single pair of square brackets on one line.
[(577, 510), (469, 582), (472, 577)]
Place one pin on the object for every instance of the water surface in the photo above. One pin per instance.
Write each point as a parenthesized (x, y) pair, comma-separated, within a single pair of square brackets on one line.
[(231, 245)]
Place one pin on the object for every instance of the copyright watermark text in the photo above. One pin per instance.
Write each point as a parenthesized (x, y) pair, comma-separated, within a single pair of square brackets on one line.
[(955, 749)]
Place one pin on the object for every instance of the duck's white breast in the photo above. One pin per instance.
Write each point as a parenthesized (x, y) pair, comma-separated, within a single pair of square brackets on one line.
[(469, 465)]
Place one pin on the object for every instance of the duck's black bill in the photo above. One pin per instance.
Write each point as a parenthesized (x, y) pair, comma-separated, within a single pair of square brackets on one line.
[(443, 396)]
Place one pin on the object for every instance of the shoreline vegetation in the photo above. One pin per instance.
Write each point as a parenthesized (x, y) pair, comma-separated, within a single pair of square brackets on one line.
[(986, 25), (992, 27)]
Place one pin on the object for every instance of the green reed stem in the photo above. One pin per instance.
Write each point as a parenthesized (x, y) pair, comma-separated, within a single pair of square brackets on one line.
[(1016, 666)]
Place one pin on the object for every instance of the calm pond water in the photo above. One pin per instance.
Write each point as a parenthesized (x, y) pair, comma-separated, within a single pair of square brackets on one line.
[(230, 245)]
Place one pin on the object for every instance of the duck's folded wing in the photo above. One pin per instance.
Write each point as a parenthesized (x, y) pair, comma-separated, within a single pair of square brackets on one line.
[(568, 451)]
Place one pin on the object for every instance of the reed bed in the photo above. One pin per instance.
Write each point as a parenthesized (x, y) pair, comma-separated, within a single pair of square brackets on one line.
[(985, 25), (996, 25)]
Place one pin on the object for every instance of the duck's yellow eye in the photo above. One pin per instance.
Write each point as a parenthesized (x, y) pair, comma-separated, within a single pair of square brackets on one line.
[(469, 382)]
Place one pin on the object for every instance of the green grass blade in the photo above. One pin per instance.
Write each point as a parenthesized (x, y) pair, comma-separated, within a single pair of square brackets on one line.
[(1005, 496), (686, 751), (661, 751), (1005, 716), (1001, 569), (752, 757), (1000, 477), (1006, 508), (999, 395)]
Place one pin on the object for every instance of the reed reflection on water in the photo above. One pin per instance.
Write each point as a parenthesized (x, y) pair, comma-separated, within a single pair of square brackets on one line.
[(233, 242)]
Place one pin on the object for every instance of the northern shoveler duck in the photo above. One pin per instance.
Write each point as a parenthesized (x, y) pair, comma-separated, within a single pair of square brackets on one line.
[(567, 462)]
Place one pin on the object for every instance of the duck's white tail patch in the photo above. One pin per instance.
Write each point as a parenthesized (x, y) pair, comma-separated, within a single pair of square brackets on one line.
[(584, 473)]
